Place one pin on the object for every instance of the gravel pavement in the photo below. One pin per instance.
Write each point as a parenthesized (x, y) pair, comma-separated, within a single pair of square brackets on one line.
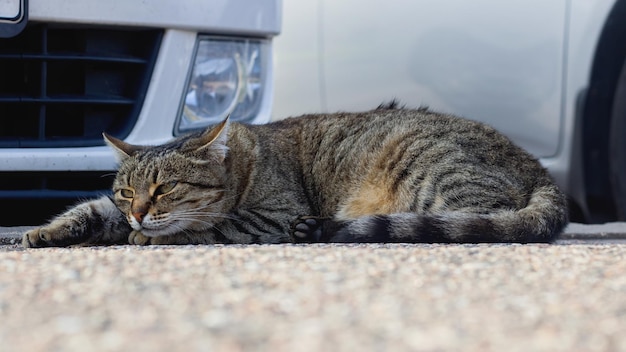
[(567, 296)]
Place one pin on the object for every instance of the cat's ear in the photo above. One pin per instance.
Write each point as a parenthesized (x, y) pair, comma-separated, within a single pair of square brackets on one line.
[(122, 149), (212, 141)]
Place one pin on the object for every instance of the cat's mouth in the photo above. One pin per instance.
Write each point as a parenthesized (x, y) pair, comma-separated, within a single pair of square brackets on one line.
[(155, 232), (150, 228), (166, 224)]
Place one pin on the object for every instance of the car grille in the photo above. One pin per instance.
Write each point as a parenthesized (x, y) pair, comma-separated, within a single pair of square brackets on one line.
[(62, 86), (32, 198), (55, 184)]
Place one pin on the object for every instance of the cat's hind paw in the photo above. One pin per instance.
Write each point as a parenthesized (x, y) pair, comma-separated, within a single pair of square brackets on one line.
[(307, 229)]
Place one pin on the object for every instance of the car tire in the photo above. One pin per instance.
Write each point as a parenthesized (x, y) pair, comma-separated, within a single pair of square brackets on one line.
[(617, 146)]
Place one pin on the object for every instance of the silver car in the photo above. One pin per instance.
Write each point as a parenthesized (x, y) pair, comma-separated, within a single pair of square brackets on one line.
[(549, 74), (143, 71)]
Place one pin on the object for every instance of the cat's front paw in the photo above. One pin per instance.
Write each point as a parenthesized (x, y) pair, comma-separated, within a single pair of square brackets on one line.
[(138, 238), (59, 233), (307, 229), (35, 238)]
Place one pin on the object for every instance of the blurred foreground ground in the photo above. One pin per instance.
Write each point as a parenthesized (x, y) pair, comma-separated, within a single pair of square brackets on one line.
[(568, 296)]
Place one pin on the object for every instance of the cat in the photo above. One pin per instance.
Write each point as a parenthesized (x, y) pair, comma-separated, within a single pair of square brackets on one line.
[(386, 175)]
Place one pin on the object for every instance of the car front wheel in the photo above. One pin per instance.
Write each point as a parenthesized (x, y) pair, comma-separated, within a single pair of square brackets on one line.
[(617, 146)]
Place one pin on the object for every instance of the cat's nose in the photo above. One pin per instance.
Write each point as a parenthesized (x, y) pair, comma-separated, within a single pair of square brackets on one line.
[(139, 209), (138, 216)]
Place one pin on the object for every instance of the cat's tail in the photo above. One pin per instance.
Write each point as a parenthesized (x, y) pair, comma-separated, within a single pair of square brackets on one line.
[(542, 220)]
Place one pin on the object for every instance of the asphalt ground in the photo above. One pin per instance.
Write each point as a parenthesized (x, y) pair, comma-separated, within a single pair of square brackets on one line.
[(567, 296)]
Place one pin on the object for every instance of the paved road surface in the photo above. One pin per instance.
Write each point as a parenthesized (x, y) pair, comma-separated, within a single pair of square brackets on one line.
[(562, 297)]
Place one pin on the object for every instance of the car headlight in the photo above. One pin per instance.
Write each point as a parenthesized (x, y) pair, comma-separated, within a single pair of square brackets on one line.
[(227, 78)]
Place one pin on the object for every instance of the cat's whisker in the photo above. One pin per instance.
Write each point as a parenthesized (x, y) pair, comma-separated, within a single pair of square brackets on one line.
[(217, 202), (207, 215), (196, 220), (182, 218), (186, 231), (189, 233), (204, 214), (108, 175), (201, 209), (218, 230)]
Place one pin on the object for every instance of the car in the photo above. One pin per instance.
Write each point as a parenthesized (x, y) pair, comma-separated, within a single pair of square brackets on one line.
[(549, 74), (141, 71)]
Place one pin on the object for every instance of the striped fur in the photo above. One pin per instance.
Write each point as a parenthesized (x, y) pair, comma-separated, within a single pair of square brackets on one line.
[(387, 175)]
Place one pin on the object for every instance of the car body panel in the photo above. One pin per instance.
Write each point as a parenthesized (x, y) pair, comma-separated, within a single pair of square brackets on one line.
[(182, 20), (520, 66), (258, 17), (486, 66), (585, 24)]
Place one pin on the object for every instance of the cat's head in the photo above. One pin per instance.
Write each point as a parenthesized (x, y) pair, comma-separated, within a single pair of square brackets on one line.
[(176, 187)]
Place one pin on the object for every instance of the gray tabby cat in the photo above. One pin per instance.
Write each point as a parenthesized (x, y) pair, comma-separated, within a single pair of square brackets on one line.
[(387, 175)]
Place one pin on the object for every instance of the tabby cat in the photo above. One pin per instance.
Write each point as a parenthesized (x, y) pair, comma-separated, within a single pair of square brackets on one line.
[(387, 175)]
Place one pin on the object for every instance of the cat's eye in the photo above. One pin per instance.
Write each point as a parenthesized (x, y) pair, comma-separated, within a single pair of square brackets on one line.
[(165, 188), (127, 193)]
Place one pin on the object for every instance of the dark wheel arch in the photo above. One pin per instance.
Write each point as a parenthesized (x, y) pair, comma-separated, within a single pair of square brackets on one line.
[(608, 61), (617, 147)]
